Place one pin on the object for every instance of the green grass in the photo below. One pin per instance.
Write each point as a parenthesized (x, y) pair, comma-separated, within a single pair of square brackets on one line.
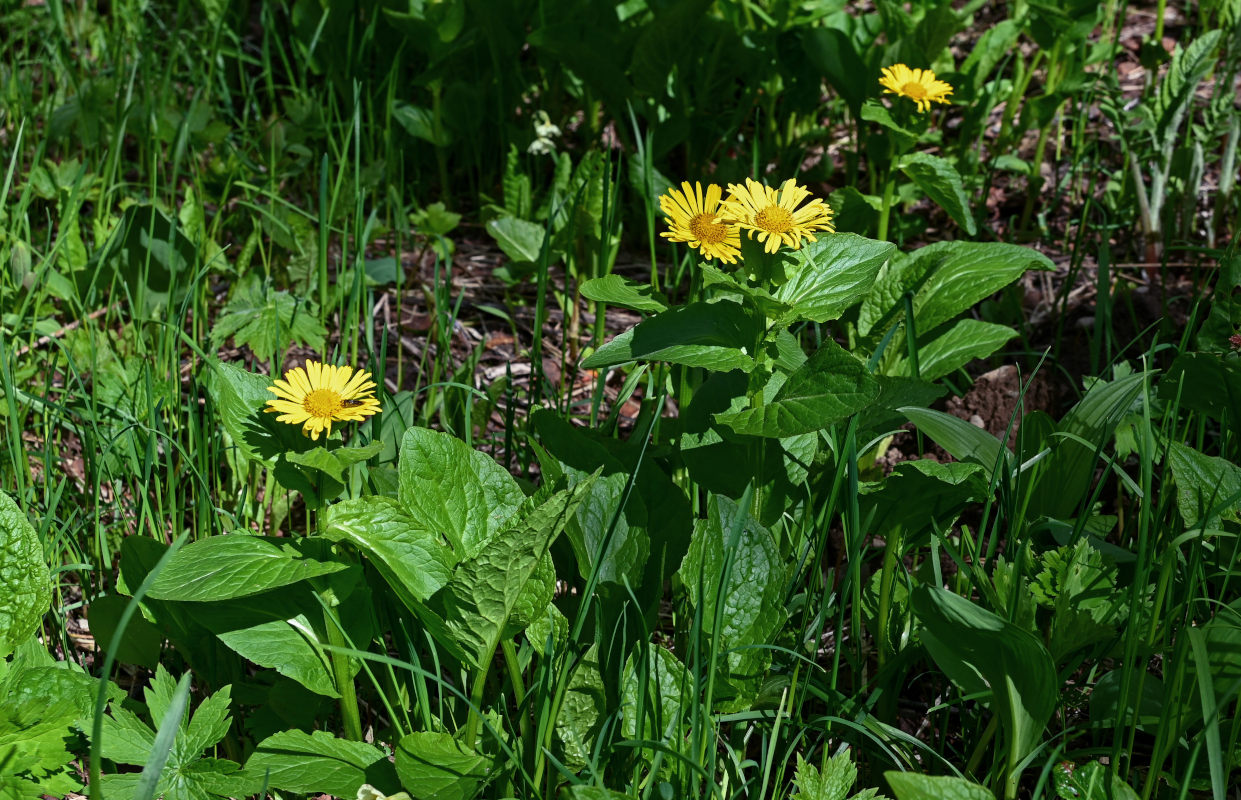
[(672, 565)]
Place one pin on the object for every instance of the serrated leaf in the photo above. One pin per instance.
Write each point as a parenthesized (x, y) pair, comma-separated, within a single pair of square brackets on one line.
[(268, 321), (716, 336), (235, 565), (25, 581), (829, 387), (831, 274), (452, 489)]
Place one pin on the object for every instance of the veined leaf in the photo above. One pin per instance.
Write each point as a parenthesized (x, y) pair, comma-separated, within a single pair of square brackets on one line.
[(831, 274), (965, 341), (911, 786), (267, 320), (235, 565), (414, 560), (830, 386), (25, 581), (616, 290), (431, 764), (306, 763), (486, 590)]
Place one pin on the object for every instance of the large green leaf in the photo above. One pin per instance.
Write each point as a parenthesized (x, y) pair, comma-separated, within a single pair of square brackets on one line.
[(972, 646), (1204, 382), (751, 593), (450, 488), (1064, 476), (921, 494), (435, 766), (657, 695), (235, 565), (414, 560), (911, 786), (718, 336), (965, 341), (240, 397), (1208, 489), (962, 440), (295, 761), (946, 278), (582, 711), (831, 274), (25, 581), (829, 387), (520, 240), (941, 182), (486, 590)]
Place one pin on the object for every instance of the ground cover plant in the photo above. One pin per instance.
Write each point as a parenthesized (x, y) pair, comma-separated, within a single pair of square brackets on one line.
[(643, 400)]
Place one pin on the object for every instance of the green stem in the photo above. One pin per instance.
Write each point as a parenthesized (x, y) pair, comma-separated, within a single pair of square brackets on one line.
[(888, 185), (476, 702)]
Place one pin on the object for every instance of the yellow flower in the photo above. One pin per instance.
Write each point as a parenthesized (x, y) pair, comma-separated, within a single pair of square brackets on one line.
[(918, 85), (696, 221), (319, 394), (774, 216)]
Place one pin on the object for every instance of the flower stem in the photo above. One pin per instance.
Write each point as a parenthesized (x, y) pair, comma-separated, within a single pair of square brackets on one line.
[(888, 185)]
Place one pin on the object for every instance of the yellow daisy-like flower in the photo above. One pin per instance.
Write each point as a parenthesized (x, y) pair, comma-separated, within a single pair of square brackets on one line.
[(319, 394), (775, 216), (695, 220), (918, 85)]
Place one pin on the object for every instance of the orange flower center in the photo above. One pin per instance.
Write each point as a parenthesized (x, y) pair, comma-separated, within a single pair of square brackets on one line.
[(914, 89), (707, 230), (323, 403), (774, 219)]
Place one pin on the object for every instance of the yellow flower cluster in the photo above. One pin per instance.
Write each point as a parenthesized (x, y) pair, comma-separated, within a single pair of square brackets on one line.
[(712, 225)]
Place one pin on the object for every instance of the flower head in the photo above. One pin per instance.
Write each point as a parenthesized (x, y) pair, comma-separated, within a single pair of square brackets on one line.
[(918, 85), (319, 394), (775, 216), (695, 220)]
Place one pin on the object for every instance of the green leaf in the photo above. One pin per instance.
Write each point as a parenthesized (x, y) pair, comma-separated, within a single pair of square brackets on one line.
[(25, 581), (520, 240), (965, 341), (753, 609), (909, 786), (435, 766), (420, 123), (656, 685), (414, 560), (289, 643), (1092, 781), (974, 646), (831, 274), (240, 397), (487, 589), (717, 336), (624, 292), (142, 640), (838, 776), (583, 710), (947, 278), (874, 111), (235, 565), (712, 335), (150, 255), (1208, 489), (267, 320), (829, 387), (1065, 476), (1204, 382), (833, 53), (941, 182), (921, 494), (452, 489), (1189, 66), (315, 763), (962, 440)]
